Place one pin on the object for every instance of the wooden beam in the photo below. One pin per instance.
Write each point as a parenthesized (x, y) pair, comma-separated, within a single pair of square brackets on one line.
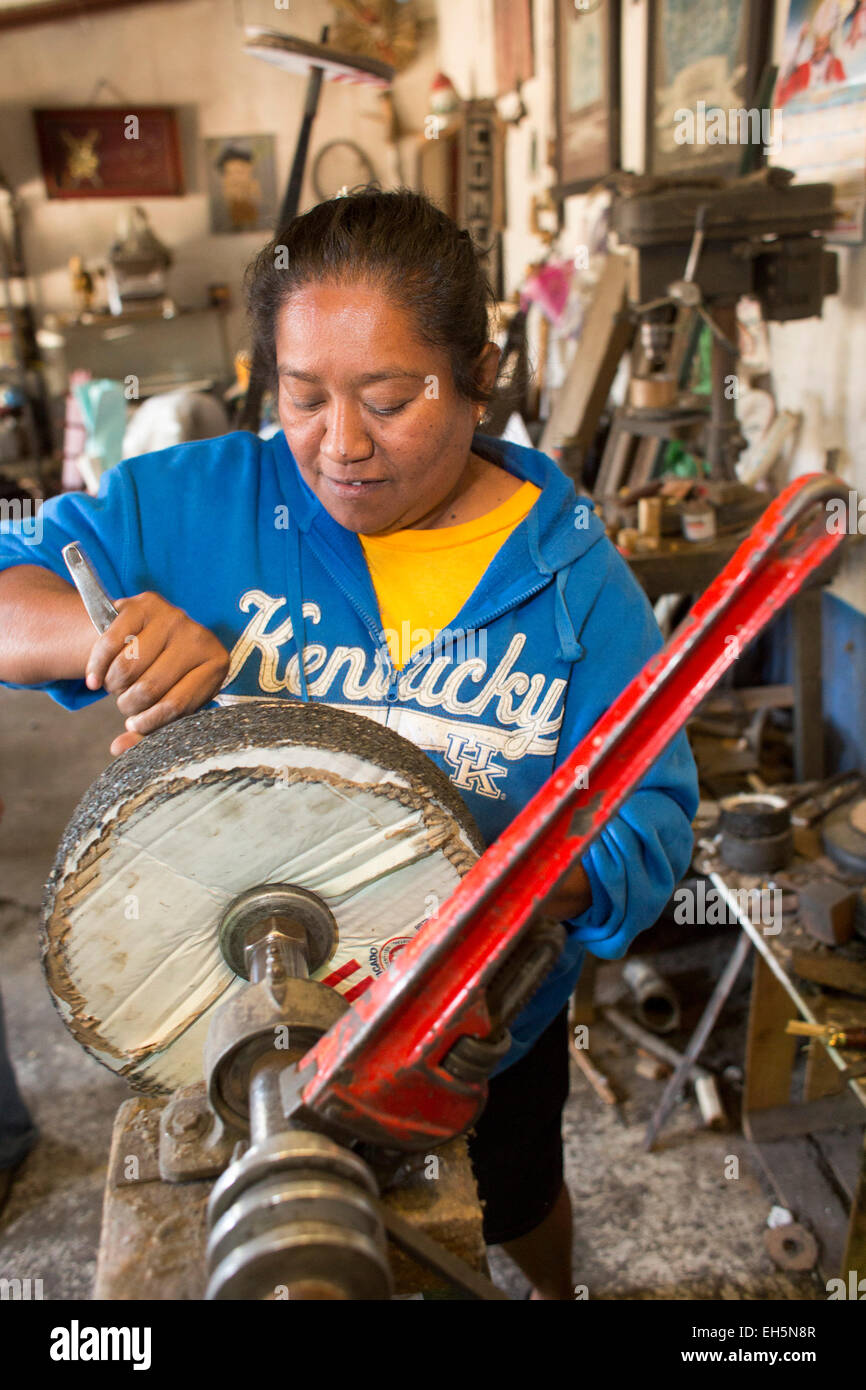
[(809, 1117), (605, 335), (855, 1250), (834, 971), (769, 1050)]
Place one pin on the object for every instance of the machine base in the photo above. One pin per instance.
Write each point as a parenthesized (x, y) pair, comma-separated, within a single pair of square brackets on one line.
[(152, 1243)]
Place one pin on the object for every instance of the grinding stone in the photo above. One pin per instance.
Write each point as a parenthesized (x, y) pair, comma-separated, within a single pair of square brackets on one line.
[(208, 807)]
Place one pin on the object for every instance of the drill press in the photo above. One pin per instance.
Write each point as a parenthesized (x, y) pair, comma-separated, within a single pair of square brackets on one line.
[(702, 244)]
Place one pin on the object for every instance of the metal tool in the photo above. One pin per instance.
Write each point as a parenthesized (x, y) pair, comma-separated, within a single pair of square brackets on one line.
[(834, 1035), (100, 609)]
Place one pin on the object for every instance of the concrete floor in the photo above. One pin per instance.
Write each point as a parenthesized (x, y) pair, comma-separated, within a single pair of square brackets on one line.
[(668, 1225)]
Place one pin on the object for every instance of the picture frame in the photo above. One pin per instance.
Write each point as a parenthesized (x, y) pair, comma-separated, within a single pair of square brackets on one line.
[(820, 92), (586, 94), (242, 183), (697, 51), (110, 152), (512, 35)]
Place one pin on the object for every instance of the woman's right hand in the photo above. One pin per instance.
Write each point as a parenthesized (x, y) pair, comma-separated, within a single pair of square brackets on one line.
[(158, 662)]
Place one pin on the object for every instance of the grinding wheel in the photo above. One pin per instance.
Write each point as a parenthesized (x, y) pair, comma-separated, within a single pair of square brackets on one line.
[(202, 811)]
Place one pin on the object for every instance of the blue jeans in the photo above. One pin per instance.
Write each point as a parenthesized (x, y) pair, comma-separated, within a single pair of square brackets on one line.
[(17, 1130)]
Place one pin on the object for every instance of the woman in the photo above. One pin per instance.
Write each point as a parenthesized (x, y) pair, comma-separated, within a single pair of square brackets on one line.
[(447, 584)]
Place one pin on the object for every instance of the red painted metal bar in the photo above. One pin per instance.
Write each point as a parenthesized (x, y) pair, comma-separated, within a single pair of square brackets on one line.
[(378, 1073)]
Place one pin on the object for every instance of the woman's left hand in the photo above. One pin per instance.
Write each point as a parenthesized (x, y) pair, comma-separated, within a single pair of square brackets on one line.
[(572, 896)]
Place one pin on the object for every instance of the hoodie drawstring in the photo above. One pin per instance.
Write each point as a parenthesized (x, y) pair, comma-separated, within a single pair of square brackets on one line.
[(569, 647), (295, 597)]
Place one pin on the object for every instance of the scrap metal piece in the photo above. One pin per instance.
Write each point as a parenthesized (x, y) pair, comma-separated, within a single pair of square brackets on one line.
[(708, 1098), (826, 909), (756, 835), (428, 1252), (658, 1005), (843, 837), (764, 854), (791, 1247)]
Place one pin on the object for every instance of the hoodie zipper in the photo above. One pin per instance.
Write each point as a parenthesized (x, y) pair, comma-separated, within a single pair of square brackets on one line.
[(488, 619), (392, 693), (383, 652)]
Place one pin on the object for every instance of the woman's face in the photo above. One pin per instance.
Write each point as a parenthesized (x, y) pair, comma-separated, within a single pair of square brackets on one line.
[(369, 410)]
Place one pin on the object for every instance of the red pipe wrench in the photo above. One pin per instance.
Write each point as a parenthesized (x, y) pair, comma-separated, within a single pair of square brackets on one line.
[(397, 1070)]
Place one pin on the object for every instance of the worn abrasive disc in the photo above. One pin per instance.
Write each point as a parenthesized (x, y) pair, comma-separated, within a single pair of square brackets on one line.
[(207, 808)]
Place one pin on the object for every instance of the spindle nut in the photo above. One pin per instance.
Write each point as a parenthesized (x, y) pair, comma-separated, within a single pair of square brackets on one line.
[(248, 915)]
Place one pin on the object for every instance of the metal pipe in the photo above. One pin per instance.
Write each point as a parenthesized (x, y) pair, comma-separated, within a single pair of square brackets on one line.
[(658, 1005), (643, 1038)]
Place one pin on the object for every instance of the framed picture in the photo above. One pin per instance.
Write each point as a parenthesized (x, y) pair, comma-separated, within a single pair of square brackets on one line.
[(821, 95), (512, 34), (704, 61), (241, 183), (110, 152), (587, 99)]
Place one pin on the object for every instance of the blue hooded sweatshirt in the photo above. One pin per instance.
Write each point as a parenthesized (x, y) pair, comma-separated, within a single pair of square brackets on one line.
[(227, 530)]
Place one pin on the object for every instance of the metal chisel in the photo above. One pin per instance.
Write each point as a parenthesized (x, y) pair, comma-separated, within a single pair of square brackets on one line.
[(100, 609)]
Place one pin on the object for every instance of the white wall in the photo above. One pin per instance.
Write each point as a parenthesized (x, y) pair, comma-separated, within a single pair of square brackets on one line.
[(189, 55)]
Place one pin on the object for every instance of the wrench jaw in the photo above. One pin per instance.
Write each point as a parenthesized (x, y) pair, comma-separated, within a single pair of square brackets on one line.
[(427, 1098)]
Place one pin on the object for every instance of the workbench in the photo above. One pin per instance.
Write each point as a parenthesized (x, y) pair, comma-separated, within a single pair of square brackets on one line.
[(689, 567)]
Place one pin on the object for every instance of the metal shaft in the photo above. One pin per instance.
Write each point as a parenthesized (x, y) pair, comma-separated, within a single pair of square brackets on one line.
[(280, 954), (295, 1216)]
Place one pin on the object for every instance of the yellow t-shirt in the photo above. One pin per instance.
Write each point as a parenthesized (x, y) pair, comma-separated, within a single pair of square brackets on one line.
[(423, 578)]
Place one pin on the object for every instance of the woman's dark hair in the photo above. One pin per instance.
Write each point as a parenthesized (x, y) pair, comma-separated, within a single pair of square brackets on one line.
[(398, 241)]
